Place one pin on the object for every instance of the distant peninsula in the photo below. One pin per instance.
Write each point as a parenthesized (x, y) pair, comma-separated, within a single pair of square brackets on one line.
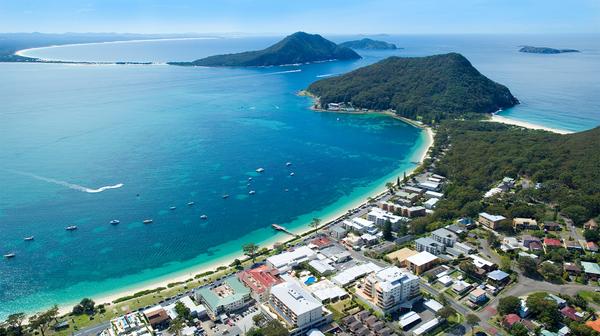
[(368, 44), (297, 48), (424, 88), (545, 50)]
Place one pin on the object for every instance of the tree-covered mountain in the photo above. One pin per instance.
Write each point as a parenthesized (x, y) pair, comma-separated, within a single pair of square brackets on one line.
[(429, 88), (368, 44), (297, 48), (545, 50), (482, 153)]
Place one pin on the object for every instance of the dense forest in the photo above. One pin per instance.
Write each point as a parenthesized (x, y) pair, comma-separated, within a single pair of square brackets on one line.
[(479, 154), (428, 88), (368, 44), (297, 48)]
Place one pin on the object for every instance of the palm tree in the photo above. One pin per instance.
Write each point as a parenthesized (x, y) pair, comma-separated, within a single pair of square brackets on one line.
[(176, 326), (390, 187), (250, 250), (315, 224), (472, 320)]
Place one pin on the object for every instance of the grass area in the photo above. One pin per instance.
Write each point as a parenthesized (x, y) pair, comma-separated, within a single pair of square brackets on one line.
[(339, 308), (590, 296)]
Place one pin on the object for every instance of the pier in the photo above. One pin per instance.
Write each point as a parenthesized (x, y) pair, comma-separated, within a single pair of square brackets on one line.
[(283, 229)]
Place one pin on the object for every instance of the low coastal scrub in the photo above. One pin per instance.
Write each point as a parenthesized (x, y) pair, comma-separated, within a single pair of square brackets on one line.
[(139, 294)]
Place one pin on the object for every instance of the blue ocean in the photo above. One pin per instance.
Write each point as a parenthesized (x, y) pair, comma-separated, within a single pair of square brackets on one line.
[(85, 144)]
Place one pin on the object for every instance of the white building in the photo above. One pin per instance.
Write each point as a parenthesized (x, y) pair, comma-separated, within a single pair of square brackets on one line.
[(430, 245), (295, 305), (285, 261), (132, 324), (380, 216), (431, 203), (390, 289), (444, 236), (350, 275), (327, 291)]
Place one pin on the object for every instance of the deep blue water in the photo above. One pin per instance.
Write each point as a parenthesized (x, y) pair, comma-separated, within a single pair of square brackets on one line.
[(174, 135)]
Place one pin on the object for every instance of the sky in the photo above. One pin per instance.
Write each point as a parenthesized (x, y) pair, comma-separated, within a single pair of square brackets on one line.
[(283, 16)]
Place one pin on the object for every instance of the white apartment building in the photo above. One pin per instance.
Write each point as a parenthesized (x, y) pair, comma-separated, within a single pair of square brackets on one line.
[(296, 306), (390, 289), (285, 261)]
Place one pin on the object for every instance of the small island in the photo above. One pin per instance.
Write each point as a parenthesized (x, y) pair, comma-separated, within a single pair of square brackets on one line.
[(546, 50), (298, 48), (428, 88), (369, 44)]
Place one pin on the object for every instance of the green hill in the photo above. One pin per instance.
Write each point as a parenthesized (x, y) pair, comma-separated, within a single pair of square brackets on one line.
[(368, 44), (297, 48), (431, 88), (545, 50), (482, 153)]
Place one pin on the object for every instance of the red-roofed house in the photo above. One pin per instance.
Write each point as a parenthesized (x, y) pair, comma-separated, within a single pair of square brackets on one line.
[(552, 243), (594, 325), (509, 320), (322, 242), (260, 280), (571, 313)]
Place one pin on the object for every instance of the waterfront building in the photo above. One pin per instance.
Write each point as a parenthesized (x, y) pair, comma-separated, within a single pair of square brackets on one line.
[(260, 280), (226, 296), (286, 260)]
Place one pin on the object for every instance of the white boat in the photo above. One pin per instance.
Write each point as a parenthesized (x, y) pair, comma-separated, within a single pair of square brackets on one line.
[(204, 217), (190, 203), (225, 196), (249, 178), (292, 174), (115, 221), (260, 170), (30, 238), (288, 164), (251, 192), (148, 221), (71, 228), (9, 255), (173, 208)]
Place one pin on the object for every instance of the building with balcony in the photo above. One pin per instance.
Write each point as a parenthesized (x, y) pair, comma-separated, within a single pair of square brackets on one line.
[(390, 289)]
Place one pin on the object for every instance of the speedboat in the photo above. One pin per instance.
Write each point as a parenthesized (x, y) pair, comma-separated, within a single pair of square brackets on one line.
[(251, 192), (71, 228), (9, 255), (288, 164), (204, 217), (30, 238), (173, 208), (225, 196), (292, 174), (190, 203), (260, 170), (147, 221), (249, 178), (115, 222)]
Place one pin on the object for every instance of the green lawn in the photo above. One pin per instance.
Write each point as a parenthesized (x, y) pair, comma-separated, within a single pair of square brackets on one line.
[(590, 296)]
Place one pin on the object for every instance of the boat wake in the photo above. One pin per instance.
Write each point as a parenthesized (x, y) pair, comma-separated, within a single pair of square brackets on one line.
[(284, 72), (67, 184), (325, 75)]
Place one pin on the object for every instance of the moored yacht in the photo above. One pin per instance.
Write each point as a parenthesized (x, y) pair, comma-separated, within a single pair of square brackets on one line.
[(251, 192), (115, 222), (190, 203), (173, 208), (204, 217), (260, 170), (147, 221), (71, 228), (30, 238), (9, 255)]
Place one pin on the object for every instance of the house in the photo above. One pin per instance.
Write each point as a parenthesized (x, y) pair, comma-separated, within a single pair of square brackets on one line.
[(551, 226), (595, 324), (559, 301), (482, 264), (321, 242), (525, 224), (529, 239), (337, 232), (535, 246), (444, 236), (369, 239), (571, 313), (285, 261), (430, 245), (591, 246), (157, 316), (498, 278), (590, 225), (491, 221), (421, 262), (196, 310), (457, 228), (431, 186), (432, 194), (572, 245), (509, 320), (460, 287), (409, 319), (523, 309), (591, 269), (433, 305), (463, 248), (467, 222), (412, 189), (571, 268), (477, 295), (528, 255), (401, 255), (552, 243), (322, 267)]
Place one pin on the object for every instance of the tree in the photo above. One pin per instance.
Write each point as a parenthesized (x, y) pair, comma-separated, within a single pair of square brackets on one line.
[(387, 230), (86, 306), (315, 224), (42, 321), (509, 305), (446, 312), (528, 265), (13, 325), (591, 235), (467, 267), (183, 311), (544, 309), (472, 320), (237, 264), (390, 187), (577, 213), (176, 326), (250, 250), (519, 329), (551, 272), (505, 264)]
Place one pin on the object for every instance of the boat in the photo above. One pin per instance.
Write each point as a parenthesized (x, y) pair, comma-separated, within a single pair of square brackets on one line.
[(147, 221), (190, 203), (115, 221), (249, 178), (204, 217), (292, 174), (260, 170), (30, 238), (288, 164), (71, 228), (251, 192), (173, 208), (9, 255), (225, 196), (286, 190)]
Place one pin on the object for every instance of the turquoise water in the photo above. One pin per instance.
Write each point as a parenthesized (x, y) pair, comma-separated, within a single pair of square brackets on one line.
[(170, 135), (173, 135), (310, 280)]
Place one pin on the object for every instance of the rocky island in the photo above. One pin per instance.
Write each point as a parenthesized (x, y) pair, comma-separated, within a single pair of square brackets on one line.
[(297, 48), (369, 44), (427, 88), (546, 50)]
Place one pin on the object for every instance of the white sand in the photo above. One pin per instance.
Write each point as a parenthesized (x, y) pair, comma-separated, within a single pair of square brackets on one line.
[(504, 120)]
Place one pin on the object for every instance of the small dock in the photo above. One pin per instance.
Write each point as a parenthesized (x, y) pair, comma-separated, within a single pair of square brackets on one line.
[(283, 229)]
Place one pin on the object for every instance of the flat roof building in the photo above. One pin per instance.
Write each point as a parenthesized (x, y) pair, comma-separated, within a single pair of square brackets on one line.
[(260, 280), (226, 296), (294, 305), (421, 262), (490, 221), (285, 261), (390, 289)]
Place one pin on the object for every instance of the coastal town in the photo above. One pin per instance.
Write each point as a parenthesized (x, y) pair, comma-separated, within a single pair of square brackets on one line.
[(375, 271)]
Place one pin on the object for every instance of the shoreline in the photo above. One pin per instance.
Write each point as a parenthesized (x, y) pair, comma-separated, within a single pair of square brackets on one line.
[(525, 124), (425, 143)]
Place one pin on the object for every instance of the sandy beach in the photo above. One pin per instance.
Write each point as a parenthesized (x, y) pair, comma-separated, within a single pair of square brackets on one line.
[(186, 274), (504, 120)]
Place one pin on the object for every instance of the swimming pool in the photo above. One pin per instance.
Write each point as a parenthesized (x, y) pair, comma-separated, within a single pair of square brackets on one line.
[(310, 280)]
